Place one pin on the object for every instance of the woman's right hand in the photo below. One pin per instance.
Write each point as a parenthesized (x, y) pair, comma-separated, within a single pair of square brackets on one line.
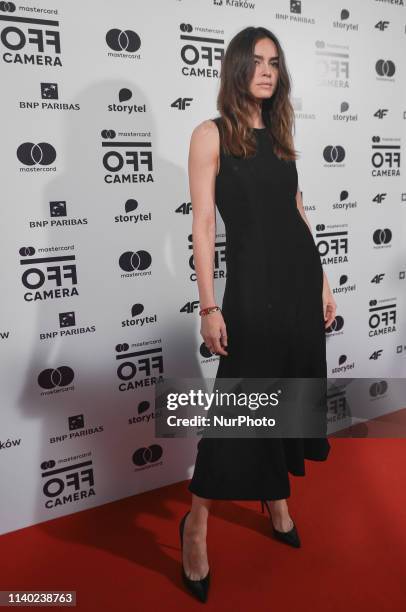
[(214, 332)]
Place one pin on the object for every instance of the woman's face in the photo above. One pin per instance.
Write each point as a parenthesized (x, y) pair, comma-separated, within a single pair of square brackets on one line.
[(265, 79)]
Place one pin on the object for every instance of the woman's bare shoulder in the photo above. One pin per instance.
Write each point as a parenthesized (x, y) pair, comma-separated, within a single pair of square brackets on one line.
[(204, 141), (206, 130)]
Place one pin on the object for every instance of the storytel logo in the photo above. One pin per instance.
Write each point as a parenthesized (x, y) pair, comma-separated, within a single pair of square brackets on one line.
[(343, 365), (129, 207), (344, 203), (137, 320), (344, 286), (28, 40), (145, 414), (124, 95)]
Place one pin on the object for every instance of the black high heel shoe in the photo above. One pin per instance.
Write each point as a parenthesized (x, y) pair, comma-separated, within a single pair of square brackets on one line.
[(289, 537), (199, 588)]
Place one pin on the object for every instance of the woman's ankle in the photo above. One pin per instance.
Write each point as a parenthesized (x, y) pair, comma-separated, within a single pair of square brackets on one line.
[(196, 525)]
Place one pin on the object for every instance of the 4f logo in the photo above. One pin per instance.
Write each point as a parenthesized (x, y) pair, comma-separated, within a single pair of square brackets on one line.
[(181, 103)]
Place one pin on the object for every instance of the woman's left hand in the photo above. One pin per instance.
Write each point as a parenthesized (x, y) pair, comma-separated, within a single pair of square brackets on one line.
[(329, 304)]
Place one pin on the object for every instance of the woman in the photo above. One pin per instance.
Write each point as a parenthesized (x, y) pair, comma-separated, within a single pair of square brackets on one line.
[(277, 301)]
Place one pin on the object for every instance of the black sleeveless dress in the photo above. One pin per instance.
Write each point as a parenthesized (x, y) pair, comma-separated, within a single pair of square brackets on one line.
[(273, 311)]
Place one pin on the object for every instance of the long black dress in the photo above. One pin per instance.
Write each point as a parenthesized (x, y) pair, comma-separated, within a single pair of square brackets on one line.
[(273, 310)]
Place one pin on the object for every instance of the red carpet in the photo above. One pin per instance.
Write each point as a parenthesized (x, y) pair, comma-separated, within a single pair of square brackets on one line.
[(350, 512)]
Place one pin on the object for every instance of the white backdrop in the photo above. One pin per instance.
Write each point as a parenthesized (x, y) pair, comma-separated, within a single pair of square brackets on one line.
[(99, 296)]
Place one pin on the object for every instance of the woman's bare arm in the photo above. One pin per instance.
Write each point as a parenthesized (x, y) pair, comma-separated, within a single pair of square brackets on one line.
[(330, 305), (299, 204), (203, 167), (203, 159)]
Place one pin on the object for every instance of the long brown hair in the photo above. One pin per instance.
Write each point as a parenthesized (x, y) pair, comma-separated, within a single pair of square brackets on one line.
[(235, 102)]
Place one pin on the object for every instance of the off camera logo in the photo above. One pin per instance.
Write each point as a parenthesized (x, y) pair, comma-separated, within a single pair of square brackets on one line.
[(31, 154), (133, 156), (138, 368), (201, 55), (58, 377), (28, 40), (67, 484), (123, 40), (41, 272)]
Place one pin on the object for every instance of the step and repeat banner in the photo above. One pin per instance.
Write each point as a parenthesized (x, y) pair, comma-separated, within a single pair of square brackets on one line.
[(99, 298)]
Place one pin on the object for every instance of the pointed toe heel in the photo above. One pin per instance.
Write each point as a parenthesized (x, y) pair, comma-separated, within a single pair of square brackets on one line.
[(290, 537), (198, 588)]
